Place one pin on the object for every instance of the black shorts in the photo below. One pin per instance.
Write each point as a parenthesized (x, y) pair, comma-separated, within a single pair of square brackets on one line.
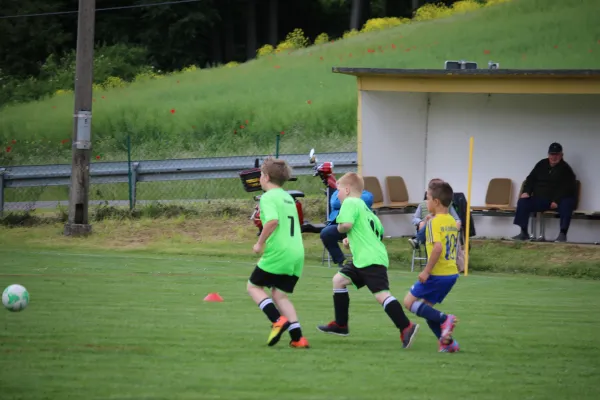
[(285, 283), (374, 277)]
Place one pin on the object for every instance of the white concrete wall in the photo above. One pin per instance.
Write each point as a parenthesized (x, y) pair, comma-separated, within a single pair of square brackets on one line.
[(393, 143), (511, 133)]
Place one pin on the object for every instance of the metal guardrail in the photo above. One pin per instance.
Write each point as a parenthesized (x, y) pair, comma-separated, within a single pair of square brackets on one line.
[(159, 170)]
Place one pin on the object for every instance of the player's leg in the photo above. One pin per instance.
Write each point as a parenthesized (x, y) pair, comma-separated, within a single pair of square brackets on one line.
[(288, 310), (376, 279), (256, 284), (419, 298), (341, 301), (435, 327), (330, 237)]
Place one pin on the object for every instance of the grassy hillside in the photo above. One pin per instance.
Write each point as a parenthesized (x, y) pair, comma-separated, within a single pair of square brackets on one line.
[(239, 110)]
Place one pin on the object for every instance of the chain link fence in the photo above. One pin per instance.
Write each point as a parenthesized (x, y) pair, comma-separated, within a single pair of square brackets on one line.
[(132, 178)]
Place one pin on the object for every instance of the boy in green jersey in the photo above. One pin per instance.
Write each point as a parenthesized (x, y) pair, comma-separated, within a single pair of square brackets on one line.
[(370, 262), (282, 250)]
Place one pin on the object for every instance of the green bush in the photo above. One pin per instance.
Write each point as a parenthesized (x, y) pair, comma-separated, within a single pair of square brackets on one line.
[(111, 64)]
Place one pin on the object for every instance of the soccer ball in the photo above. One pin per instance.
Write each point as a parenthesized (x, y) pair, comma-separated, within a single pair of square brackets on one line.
[(15, 298)]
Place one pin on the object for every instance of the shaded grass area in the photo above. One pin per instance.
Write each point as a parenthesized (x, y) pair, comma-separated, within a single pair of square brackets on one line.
[(226, 232), (126, 324), (239, 110)]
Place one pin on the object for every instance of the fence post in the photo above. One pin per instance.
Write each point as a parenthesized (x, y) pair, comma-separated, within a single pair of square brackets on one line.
[(2, 171), (129, 172), (133, 184)]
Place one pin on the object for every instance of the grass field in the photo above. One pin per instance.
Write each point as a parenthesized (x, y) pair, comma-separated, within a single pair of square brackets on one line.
[(120, 316), (202, 112)]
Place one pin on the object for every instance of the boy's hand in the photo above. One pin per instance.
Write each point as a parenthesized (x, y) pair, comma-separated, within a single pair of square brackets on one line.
[(258, 248), (423, 276), (346, 243)]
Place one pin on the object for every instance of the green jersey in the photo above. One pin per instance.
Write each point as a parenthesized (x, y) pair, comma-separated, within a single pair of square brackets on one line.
[(366, 234), (284, 250)]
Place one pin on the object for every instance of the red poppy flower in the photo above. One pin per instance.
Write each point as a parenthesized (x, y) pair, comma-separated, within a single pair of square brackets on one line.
[(393, 46), (556, 46), (53, 106), (235, 131), (64, 141), (350, 55), (321, 58), (103, 97), (193, 126), (246, 122), (177, 81), (276, 67), (590, 50), (97, 157), (8, 149), (242, 126), (486, 52), (172, 111), (14, 141), (309, 102), (282, 133), (407, 50)]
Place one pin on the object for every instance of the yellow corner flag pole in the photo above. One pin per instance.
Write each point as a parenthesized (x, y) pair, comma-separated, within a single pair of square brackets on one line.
[(468, 222)]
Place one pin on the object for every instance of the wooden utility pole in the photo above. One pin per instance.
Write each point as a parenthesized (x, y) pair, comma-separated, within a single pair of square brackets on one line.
[(77, 224)]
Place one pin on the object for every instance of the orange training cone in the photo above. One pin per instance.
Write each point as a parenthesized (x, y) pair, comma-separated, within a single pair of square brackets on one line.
[(214, 297)]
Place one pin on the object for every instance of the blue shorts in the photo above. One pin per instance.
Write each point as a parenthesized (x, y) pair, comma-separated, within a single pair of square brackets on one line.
[(435, 289)]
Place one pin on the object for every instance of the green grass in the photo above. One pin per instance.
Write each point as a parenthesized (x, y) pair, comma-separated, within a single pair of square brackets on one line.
[(131, 325), (211, 104), (212, 232)]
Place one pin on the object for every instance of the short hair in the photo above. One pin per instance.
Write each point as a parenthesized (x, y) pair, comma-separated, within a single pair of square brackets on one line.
[(442, 192), (277, 170), (354, 181), (434, 181)]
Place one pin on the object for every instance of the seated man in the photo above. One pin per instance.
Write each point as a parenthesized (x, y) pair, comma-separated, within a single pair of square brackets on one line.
[(330, 235), (551, 185), (422, 215)]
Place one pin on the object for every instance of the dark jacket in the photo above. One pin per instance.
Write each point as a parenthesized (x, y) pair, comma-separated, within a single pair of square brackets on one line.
[(551, 183)]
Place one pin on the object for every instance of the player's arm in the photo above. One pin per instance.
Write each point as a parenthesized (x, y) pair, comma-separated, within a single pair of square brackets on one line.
[(433, 234), (346, 217), (268, 210), (267, 231), (345, 227)]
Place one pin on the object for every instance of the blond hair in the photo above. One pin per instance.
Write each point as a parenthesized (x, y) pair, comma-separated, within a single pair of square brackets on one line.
[(354, 181), (277, 170)]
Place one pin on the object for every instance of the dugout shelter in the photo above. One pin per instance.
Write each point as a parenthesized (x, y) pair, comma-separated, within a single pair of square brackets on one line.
[(415, 124)]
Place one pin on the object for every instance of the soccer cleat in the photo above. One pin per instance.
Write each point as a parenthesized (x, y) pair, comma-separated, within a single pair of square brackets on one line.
[(407, 336), (300, 344), (334, 329), (277, 329), (448, 327), (414, 243), (449, 348)]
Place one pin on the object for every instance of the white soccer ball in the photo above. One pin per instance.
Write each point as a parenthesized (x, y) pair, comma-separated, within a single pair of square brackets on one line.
[(15, 298)]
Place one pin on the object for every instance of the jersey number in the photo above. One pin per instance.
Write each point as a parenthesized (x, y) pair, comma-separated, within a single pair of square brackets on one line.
[(291, 226), (377, 233), (451, 243)]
